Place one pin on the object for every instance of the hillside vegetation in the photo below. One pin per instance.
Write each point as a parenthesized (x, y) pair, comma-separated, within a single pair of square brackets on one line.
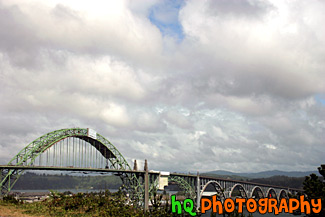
[(32, 181)]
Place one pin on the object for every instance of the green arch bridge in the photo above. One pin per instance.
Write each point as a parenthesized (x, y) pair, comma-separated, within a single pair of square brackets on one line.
[(83, 149)]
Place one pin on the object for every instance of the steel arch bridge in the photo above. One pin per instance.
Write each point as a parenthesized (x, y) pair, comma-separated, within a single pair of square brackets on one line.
[(83, 149), (75, 148)]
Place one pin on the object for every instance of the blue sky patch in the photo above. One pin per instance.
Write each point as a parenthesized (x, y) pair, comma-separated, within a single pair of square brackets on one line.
[(164, 15), (320, 98)]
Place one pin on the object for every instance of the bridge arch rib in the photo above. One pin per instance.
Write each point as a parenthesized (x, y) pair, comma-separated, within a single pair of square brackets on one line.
[(185, 185), (282, 194), (257, 193), (216, 185), (241, 189), (271, 193), (28, 154)]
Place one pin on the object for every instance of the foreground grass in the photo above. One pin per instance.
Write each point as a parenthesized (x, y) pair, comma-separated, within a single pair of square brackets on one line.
[(90, 204), (8, 209)]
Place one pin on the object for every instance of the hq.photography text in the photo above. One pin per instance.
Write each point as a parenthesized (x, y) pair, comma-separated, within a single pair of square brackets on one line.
[(263, 205)]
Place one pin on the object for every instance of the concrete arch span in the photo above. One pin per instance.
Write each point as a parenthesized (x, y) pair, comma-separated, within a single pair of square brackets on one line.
[(257, 193), (241, 190), (219, 191), (283, 194), (271, 193)]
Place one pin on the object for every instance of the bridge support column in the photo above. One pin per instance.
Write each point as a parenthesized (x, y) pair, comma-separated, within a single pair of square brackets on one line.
[(1, 178), (135, 166), (198, 191), (146, 186)]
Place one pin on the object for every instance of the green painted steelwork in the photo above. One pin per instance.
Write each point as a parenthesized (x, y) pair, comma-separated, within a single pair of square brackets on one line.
[(99, 170), (27, 156), (188, 188)]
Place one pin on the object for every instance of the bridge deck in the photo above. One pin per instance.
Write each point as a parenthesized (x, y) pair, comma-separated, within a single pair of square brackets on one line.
[(72, 169), (103, 170)]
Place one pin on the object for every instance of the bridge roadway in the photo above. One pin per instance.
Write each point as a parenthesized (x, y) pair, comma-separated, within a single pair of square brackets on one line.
[(195, 186), (84, 169), (142, 172)]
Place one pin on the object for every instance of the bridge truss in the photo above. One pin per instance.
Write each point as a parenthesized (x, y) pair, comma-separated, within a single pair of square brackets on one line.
[(79, 149)]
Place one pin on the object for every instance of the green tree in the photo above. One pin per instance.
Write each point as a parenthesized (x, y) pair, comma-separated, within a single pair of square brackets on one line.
[(314, 188)]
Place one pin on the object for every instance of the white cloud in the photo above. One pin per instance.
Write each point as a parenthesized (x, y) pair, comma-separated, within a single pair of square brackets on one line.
[(238, 89)]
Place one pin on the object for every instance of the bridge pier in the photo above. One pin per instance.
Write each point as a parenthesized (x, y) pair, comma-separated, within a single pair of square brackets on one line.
[(146, 187), (198, 190)]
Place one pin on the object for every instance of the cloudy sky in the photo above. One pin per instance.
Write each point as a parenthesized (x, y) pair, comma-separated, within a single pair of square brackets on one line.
[(192, 85)]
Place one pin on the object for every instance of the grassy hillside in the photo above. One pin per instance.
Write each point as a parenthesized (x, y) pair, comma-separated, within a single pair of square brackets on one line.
[(285, 181), (263, 174)]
